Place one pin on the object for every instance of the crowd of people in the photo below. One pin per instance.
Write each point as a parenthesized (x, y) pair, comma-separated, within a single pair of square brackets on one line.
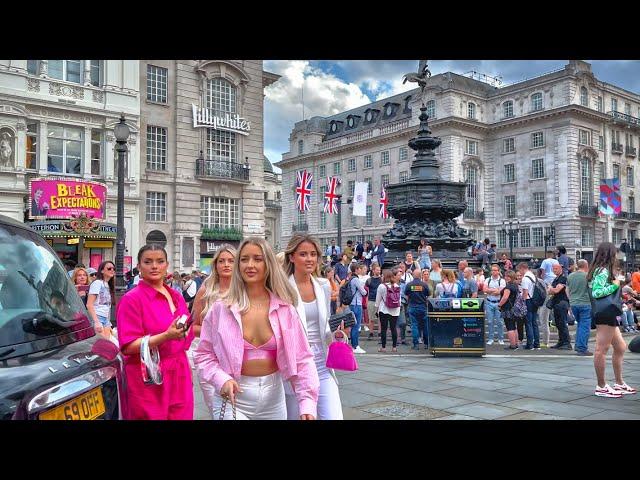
[(258, 329)]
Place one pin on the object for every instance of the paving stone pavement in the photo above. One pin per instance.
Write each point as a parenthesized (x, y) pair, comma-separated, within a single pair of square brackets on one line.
[(512, 386)]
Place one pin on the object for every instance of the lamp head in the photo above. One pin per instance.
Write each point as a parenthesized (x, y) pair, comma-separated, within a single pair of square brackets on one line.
[(121, 130)]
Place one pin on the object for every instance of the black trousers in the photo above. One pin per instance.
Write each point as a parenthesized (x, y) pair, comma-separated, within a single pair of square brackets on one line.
[(387, 320), (560, 313), (520, 326)]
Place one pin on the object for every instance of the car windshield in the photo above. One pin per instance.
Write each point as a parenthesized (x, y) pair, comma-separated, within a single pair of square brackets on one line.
[(37, 298)]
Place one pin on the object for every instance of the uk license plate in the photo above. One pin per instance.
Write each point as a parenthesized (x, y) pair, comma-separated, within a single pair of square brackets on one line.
[(87, 406)]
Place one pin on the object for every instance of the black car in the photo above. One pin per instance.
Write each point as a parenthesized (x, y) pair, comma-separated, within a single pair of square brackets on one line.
[(53, 366)]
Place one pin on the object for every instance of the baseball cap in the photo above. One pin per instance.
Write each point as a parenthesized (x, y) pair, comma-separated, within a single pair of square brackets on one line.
[(91, 271)]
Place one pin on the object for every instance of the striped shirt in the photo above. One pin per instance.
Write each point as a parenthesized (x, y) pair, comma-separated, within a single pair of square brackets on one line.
[(218, 357)]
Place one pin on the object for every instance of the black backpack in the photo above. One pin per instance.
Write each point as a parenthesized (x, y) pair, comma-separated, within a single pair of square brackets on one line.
[(346, 294), (539, 293)]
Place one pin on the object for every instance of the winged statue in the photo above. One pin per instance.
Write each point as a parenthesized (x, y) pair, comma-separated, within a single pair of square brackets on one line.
[(420, 77)]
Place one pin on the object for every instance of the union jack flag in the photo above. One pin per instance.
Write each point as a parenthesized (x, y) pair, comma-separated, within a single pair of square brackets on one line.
[(303, 190), (330, 195), (384, 204)]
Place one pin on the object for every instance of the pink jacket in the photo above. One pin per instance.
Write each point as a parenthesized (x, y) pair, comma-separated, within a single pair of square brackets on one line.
[(218, 357)]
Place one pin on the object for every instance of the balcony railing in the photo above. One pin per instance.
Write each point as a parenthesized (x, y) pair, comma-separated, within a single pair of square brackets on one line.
[(635, 217), (616, 147), (630, 151), (625, 118), (275, 204), (222, 169), (588, 211), (300, 227), (473, 215)]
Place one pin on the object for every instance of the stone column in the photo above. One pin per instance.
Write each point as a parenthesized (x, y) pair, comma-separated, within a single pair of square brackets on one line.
[(181, 239), (87, 72), (19, 66), (86, 161), (42, 148), (108, 156), (21, 147), (44, 68)]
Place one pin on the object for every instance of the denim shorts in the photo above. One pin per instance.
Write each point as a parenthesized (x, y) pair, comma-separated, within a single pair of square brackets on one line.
[(104, 321)]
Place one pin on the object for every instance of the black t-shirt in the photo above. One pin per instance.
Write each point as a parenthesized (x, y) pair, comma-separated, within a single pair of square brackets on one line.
[(513, 293), (562, 296), (417, 292), (373, 283)]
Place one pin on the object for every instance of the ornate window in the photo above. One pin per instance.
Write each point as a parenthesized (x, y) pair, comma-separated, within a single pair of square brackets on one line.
[(31, 160), (507, 109), (586, 182), (509, 172), (536, 102), (584, 96), (431, 109), (351, 165), (471, 111), (537, 140), (65, 149), (368, 163), (508, 145), (68, 70), (97, 150), (471, 179), (221, 145), (220, 96), (219, 212)]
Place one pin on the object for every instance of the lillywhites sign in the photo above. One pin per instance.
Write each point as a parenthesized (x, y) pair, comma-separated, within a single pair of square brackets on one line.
[(204, 117)]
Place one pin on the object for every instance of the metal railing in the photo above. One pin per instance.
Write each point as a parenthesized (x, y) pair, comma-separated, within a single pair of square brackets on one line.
[(300, 227), (624, 117), (273, 204), (616, 147), (630, 151), (473, 215), (588, 211), (222, 169)]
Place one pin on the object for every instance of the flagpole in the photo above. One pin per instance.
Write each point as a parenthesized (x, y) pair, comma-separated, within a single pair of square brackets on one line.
[(339, 205)]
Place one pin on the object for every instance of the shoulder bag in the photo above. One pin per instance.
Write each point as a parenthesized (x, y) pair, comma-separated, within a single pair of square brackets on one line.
[(606, 308), (223, 408), (340, 355)]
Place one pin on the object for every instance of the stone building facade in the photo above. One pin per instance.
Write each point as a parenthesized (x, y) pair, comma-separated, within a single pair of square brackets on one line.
[(203, 163), (273, 206), (56, 120), (532, 153)]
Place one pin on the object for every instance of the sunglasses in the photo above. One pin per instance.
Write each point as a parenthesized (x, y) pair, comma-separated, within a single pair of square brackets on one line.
[(109, 268)]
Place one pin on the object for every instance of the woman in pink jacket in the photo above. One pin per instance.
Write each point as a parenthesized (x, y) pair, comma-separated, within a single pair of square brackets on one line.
[(252, 340), (152, 308)]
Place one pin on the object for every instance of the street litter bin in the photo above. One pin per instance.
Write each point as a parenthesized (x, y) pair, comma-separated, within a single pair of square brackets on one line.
[(456, 327)]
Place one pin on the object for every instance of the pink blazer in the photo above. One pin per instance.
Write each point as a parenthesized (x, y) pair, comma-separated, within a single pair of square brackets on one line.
[(218, 357)]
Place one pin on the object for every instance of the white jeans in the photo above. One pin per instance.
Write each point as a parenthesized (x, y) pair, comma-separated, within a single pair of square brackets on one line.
[(262, 398), (329, 404)]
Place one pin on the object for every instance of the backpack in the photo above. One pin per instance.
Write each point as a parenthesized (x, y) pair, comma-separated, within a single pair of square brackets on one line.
[(392, 299), (185, 293), (452, 293), (518, 308), (539, 293), (346, 294)]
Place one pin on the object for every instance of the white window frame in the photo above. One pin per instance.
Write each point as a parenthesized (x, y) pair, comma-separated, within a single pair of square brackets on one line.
[(220, 212), (583, 137), (65, 71), (300, 147), (337, 168), (471, 192), (368, 161), (471, 110), (431, 109), (220, 96), (156, 207), (99, 159), (369, 215), (539, 204), (506, 170), (614, 104), (584, 96), (537, 103), (351, 165), (157, 81), (525, 237), (630, 176), (471, 147), (221, 145), (509, 206), (586, 182), (502, 238), (369, 185), (352, 188), (509, 145), (537, 234), (384, 180), (322, 171), (404, 176), (507, 109), (156, 148), (586, 236), (537, 168), (65, 141), (385, 158), (35, 136), (403, 154), (534, 142)]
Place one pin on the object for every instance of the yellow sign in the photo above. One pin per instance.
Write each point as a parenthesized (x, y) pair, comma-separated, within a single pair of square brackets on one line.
[(98, 244), (73, 241)]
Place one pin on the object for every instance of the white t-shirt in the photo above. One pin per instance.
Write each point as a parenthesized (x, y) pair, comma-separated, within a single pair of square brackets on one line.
[(493, 283), (547, 264), (136, 279), (529, 284), (102, 304)]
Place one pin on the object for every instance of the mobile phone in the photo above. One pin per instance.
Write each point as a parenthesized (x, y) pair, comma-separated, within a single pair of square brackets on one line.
[(182, 322)]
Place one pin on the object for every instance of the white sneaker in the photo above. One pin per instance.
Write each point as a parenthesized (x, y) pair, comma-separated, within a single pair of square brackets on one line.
[(490, 342), (624, 389), (359, 350), (501, 342), (607, 391)]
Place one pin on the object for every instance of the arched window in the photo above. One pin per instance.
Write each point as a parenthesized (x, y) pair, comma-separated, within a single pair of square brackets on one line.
[(586, 182), (536, 102), (471, 111), (471, 179), (156, 237), (507, 109), (431, 109), (584, 97), (220, 98)]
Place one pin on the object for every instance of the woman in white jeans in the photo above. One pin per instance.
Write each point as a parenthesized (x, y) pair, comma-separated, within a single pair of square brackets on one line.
[(314, 299), (214, 287)]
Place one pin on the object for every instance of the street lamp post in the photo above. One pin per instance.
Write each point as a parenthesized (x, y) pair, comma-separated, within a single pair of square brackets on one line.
[(121, 132), (511, 232)]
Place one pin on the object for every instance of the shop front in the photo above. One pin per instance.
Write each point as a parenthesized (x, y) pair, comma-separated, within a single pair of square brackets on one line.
[(208, 249)]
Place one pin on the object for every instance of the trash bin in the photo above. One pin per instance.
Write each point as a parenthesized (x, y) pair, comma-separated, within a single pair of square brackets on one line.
[(456, 327)]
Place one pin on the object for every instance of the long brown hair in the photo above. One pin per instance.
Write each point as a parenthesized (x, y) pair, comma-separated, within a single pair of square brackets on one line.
[(605, 258), (111, 283), (293, 245)]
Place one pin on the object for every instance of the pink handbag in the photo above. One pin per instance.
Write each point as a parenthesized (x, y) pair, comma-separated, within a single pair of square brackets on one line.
[(341, 356)]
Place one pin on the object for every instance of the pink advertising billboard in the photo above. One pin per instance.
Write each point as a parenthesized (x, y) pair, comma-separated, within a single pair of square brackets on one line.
[(64, 198)]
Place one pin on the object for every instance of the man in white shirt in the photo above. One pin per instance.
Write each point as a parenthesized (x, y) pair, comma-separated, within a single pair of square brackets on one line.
[(528, 287), (493, 287), (547, 264)]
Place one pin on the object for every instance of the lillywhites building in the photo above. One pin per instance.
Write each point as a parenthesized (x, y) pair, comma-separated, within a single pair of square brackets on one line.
[(204, 178), (532, 153), (56, 136)]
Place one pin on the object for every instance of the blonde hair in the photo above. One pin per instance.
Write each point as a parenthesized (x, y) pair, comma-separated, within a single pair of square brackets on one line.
[(437, 262), (292, 247), (212, 283), (449, 275), (75, 274), (280, 259), (275, 282)]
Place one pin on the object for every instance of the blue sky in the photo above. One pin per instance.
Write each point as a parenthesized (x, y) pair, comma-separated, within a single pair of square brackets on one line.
[(331, 87)]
